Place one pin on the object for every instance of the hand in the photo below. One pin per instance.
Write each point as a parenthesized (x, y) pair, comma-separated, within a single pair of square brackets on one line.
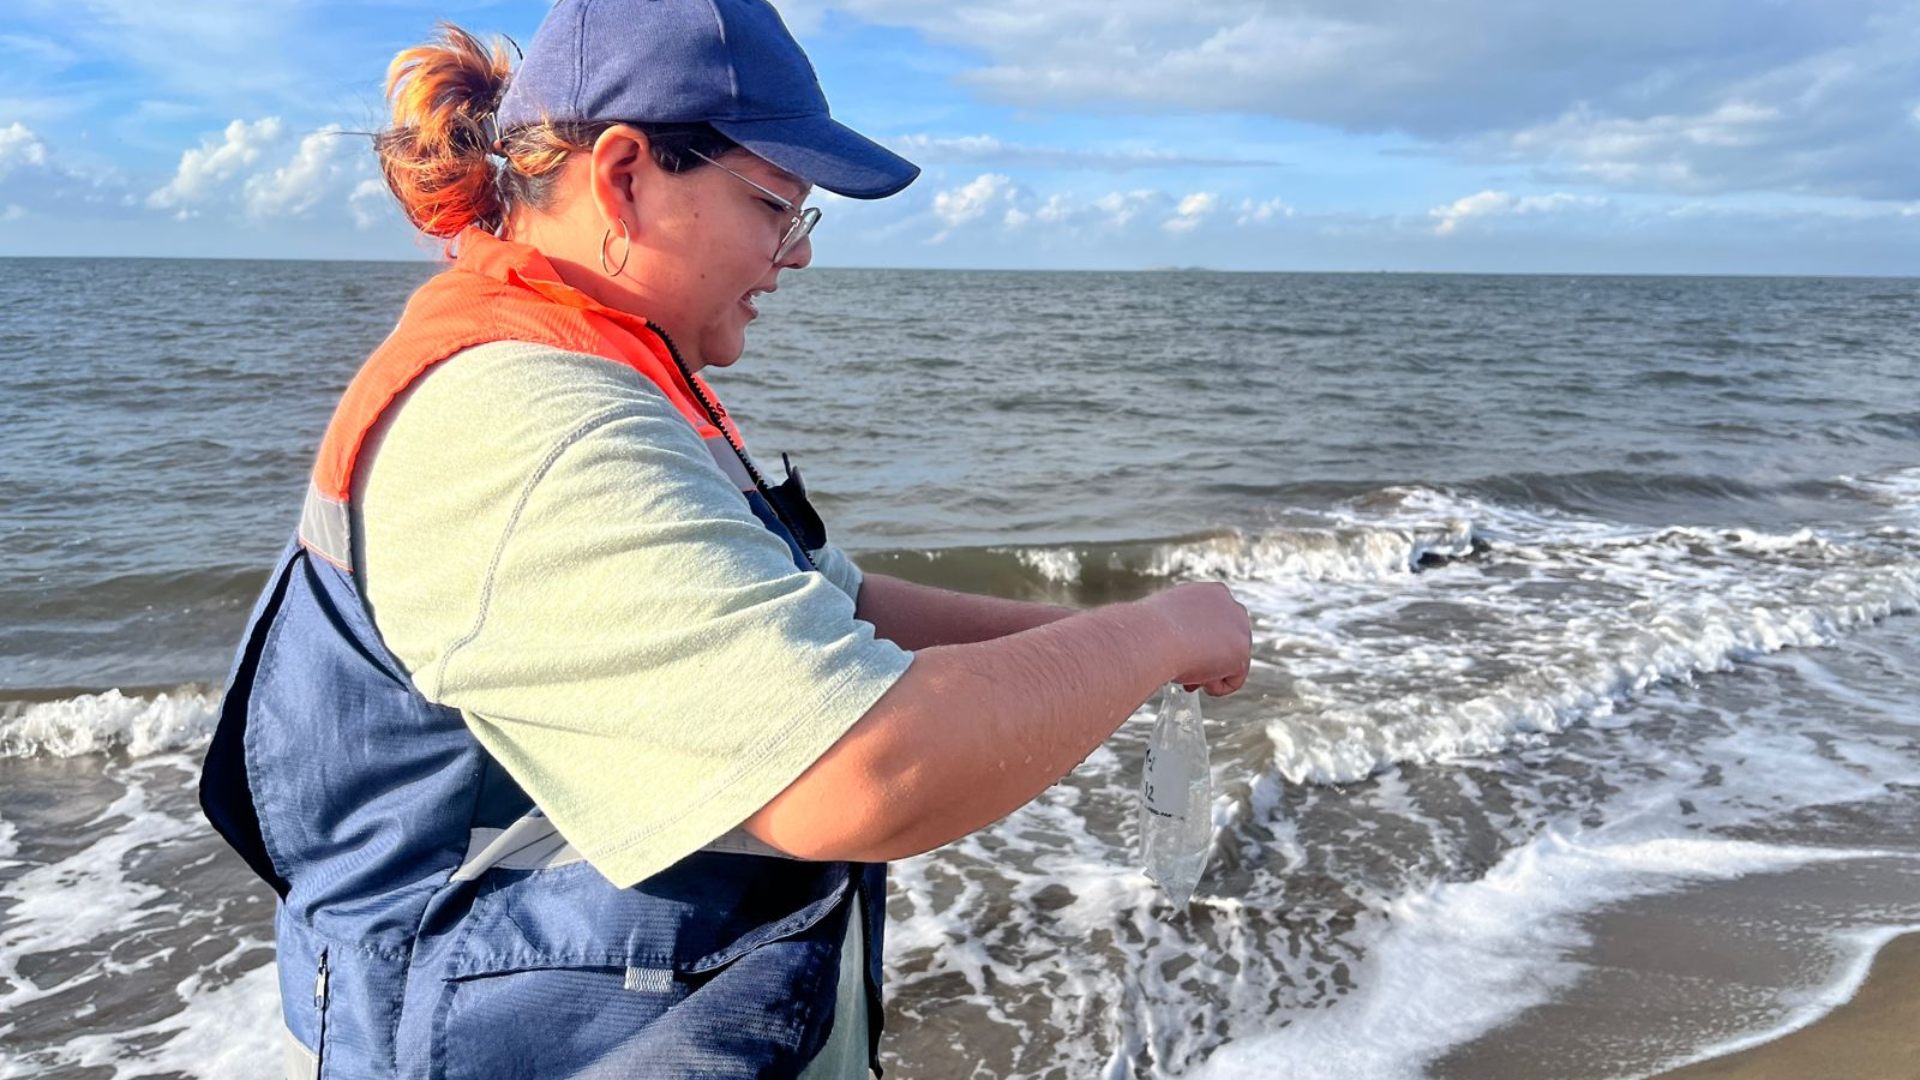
[(1212, 634)]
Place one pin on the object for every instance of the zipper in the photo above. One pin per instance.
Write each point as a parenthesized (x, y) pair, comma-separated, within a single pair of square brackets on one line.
[(320, 1006), (713, 415)]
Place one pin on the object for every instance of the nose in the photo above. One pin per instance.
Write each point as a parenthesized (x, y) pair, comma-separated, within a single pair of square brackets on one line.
[(800, 256)]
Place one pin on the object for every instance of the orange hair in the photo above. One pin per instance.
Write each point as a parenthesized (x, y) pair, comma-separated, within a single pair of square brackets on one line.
[(436, 155)]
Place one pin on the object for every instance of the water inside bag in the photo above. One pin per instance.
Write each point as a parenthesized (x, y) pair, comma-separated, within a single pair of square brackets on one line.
[(1176, 796)]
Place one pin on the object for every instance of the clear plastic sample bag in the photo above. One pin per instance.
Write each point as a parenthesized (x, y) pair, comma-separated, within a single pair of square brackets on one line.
[(1176, 797)]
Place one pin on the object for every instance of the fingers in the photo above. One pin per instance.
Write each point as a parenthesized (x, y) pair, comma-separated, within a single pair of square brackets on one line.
[(1218, 687), (1223, 687)]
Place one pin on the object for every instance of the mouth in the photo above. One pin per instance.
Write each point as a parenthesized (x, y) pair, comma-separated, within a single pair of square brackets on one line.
[(747, 301)]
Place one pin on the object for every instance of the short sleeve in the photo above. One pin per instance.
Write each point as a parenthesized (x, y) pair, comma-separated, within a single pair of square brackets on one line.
[(840, 570), (548, 546)]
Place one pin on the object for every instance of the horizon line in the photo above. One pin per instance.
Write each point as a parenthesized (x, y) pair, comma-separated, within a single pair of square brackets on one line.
[(1381, 272)]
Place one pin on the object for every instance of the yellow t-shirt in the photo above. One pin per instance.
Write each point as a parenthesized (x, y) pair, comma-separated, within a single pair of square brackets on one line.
[(547, 546)]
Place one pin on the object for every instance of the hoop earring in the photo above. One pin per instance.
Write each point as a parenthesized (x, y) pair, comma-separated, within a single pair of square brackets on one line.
[(626, 249)]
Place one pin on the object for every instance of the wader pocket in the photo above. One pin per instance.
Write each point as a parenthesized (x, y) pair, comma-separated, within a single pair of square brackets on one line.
[(723, 965)]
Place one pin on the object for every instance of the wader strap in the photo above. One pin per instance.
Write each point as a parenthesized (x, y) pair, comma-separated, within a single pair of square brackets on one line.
[(532, 843)]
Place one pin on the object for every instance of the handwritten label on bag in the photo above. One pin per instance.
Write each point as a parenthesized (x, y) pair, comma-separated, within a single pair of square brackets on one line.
[(1165, 785)]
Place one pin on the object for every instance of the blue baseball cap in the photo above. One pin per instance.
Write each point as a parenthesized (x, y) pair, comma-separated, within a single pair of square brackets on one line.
[(728, 63)]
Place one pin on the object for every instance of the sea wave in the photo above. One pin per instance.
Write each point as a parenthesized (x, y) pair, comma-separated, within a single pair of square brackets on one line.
[(137, 725), (1558, 627), (1311, 554), (1337, 554), (1898, 490), (1605, 485), (1343, 745), (171, 587), (1491, 948)]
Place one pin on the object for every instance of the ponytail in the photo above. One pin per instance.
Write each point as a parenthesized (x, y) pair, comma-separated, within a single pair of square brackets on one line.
[(435, 156)]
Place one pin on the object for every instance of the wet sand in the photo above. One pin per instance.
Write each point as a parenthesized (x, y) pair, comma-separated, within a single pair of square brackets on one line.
[(1874, 1036)]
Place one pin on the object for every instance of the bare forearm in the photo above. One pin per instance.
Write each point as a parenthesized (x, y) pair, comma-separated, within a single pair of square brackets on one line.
[(921, 616), (972, 732), (1019, 713)]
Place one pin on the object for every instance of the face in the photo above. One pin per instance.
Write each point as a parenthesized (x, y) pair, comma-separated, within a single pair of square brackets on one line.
[(704, 252)]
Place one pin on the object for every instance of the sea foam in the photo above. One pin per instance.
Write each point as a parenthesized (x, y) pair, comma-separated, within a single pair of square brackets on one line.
[(138, 725), (1355, 552), (1555, 620), (1453, 961)]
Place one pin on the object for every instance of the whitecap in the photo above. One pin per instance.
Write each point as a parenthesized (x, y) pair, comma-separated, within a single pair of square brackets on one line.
[(139, 725)]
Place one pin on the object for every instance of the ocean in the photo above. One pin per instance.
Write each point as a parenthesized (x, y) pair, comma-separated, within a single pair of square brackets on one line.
[(1580, 739)]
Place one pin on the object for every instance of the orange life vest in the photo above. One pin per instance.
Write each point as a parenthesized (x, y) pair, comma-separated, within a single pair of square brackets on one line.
[(499, 290)]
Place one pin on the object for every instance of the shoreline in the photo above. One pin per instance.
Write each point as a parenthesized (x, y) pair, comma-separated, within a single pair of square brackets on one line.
[(1873, 1035)]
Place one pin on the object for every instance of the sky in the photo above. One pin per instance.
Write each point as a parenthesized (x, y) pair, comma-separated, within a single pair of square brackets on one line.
[(1526, 136)]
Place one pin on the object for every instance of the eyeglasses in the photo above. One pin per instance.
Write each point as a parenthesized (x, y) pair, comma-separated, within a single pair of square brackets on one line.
[(802, 224)]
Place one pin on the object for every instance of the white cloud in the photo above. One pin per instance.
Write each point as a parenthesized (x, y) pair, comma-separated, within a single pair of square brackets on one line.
[(992, 201), (971, 201), (1476, 205), (1707, 95), (1193, 210), (369, 204), (37, 180), (1262, 211), (20, 148), (1667, 152), (317, 168), (1486, 204), (13, 212), (991, 150), (206, 169), (1198, 203), (249, 167), (1119, 208), (1372, 65)]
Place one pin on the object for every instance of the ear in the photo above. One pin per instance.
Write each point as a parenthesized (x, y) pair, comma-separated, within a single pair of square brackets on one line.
[(623, 176)]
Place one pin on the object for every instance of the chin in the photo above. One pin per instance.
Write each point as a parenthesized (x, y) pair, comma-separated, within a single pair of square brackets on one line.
[(724, 350)]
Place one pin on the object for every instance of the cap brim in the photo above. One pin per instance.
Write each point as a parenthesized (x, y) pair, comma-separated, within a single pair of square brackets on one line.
[(825, 153)]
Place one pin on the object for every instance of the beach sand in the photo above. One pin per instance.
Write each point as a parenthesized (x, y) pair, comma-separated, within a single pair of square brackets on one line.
[(1665, 977), (1875, 1036)]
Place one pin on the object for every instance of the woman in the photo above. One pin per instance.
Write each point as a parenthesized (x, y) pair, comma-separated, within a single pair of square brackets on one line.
[(568, 742)]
